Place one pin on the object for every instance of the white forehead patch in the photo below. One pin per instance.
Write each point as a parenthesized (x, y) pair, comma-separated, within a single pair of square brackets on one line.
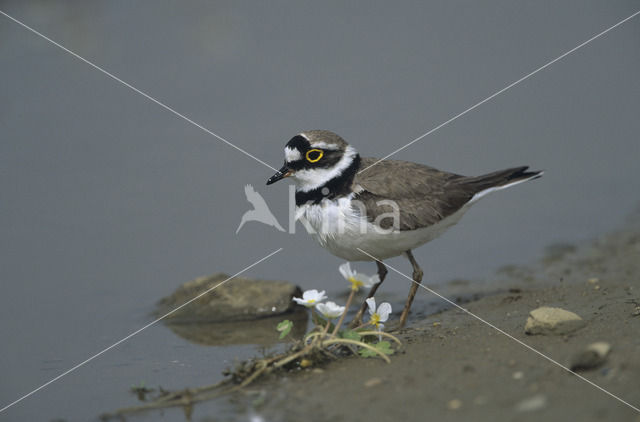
[(324, 145), (292, 154)]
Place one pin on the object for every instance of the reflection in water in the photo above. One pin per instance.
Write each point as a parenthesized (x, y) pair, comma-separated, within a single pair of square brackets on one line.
[(260, 331)]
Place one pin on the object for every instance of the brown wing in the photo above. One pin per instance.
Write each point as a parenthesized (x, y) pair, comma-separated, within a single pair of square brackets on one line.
[(424, 195)]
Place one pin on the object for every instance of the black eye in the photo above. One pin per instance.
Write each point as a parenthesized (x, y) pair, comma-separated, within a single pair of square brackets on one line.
[(314, 155)]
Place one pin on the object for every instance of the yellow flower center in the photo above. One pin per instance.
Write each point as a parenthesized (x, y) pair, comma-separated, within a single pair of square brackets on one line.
[(311, 301), (355, 284), (375, 319)]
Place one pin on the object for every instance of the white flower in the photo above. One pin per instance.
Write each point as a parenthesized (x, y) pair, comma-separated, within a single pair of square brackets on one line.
[(380, 315), (357, 280), (330, 309), (310, 298)]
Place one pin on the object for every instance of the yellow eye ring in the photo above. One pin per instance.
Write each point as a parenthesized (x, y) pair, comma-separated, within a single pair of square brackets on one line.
[(314, 151)]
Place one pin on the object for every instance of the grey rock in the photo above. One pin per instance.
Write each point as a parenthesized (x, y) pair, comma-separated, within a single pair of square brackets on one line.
[(552, 321), (532, 404), (238, 299), (592, 357)]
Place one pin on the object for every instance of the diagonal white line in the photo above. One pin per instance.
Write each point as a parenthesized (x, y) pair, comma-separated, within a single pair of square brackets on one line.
[(147, 96), (511, 85), (68, 371), (505, 333)]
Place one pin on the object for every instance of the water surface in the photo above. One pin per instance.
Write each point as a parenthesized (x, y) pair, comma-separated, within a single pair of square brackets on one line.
[(109, 201)]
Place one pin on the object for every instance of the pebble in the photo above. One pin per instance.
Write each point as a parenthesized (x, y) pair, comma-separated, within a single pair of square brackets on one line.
[(454, 404), (372, 382), (518, 375), (593, 356), (531, 404), (548, 321)]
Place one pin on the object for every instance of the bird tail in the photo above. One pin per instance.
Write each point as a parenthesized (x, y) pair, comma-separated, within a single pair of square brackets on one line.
[(500, 179)]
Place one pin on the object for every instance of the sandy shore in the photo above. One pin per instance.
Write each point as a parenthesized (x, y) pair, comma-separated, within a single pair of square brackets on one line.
[(455, 367)]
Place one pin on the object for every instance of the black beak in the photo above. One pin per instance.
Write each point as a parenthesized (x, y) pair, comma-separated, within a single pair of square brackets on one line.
[(280, 174)]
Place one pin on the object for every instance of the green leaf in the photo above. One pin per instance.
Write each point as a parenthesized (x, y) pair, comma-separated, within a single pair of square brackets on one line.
[(350, 334), (366, 353), (382, 346), (284, 327)]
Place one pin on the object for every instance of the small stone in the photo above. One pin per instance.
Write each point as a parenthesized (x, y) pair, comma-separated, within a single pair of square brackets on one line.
[(454, 404), (548, 321), (372, 382), (317, 370), (531, 404), (602, 348), (593, 356), (305, 363), (593, 280), (518, 375)]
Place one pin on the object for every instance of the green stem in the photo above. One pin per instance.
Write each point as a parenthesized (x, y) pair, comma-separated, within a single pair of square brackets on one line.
[(311, 335), (314, 316), (326, 328), (364, 324), (357, 343), (346, 309), (379, 333), (290, 358)]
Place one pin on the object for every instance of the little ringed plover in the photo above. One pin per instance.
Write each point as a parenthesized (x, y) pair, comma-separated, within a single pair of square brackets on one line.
[(387, 209)]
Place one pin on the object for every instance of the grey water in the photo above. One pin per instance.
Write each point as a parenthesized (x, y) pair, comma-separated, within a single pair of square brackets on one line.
[(109, 201)]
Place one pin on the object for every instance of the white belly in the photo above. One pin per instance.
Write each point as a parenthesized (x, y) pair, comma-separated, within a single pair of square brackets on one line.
[(337, 227)]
